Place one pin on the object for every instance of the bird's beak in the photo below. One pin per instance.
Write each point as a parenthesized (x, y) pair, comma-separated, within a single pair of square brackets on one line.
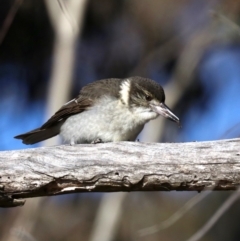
[(164, 111)]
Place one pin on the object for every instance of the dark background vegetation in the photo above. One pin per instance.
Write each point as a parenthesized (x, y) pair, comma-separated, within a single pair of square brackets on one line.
[(193, 44)]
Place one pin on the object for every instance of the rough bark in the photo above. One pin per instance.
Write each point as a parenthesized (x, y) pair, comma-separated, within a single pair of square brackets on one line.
[(123, 166)]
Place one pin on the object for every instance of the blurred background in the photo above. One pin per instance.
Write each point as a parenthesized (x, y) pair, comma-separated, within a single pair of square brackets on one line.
[(50, 49)]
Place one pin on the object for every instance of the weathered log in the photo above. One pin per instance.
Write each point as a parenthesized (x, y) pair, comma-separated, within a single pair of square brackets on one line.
[(123, 166)]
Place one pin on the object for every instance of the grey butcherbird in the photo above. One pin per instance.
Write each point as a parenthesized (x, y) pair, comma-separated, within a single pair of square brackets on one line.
[(106, 110)]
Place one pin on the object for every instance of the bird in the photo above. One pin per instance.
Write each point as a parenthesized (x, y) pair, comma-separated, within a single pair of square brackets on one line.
[(107, 110)]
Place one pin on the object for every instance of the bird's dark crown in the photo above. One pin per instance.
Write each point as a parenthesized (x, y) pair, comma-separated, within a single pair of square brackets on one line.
[(143, 90)]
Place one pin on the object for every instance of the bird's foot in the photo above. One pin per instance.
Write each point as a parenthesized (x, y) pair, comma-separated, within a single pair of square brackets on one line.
[(97, 141), (72, 143)]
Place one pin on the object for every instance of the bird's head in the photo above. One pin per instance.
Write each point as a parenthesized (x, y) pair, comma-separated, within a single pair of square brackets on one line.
[(146, 96)]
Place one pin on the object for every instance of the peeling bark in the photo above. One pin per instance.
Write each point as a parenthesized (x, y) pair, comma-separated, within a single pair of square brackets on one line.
[(123, 166)]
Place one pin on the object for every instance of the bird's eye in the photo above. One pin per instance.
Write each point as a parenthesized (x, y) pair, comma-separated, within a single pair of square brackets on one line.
[(148, 97)]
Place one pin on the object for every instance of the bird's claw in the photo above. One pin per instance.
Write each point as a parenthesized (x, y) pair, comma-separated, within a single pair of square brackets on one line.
[(97, 141)]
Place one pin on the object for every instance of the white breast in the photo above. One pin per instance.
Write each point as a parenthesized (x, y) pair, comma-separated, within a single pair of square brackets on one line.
[(109, 120)]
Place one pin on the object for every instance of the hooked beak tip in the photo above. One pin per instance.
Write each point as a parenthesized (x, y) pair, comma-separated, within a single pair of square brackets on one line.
[(164, 111)]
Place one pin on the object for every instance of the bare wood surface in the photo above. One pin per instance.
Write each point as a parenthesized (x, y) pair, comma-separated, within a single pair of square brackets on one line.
[(123, 166)]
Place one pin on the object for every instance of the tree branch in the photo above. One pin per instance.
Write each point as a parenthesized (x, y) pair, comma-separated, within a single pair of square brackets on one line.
[(123, 166)]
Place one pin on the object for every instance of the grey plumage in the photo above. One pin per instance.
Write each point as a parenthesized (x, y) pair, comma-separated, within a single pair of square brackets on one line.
[(110, 110)]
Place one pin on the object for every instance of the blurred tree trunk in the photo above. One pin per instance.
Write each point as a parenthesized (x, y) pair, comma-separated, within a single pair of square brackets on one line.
[(67, 19)]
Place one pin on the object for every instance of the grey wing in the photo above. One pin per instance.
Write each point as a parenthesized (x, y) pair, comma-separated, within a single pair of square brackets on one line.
[(52, 126), (86, 98), (73, 107)]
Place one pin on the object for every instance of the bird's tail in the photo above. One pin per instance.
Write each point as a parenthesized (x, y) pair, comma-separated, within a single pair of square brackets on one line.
[(38, 135)]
